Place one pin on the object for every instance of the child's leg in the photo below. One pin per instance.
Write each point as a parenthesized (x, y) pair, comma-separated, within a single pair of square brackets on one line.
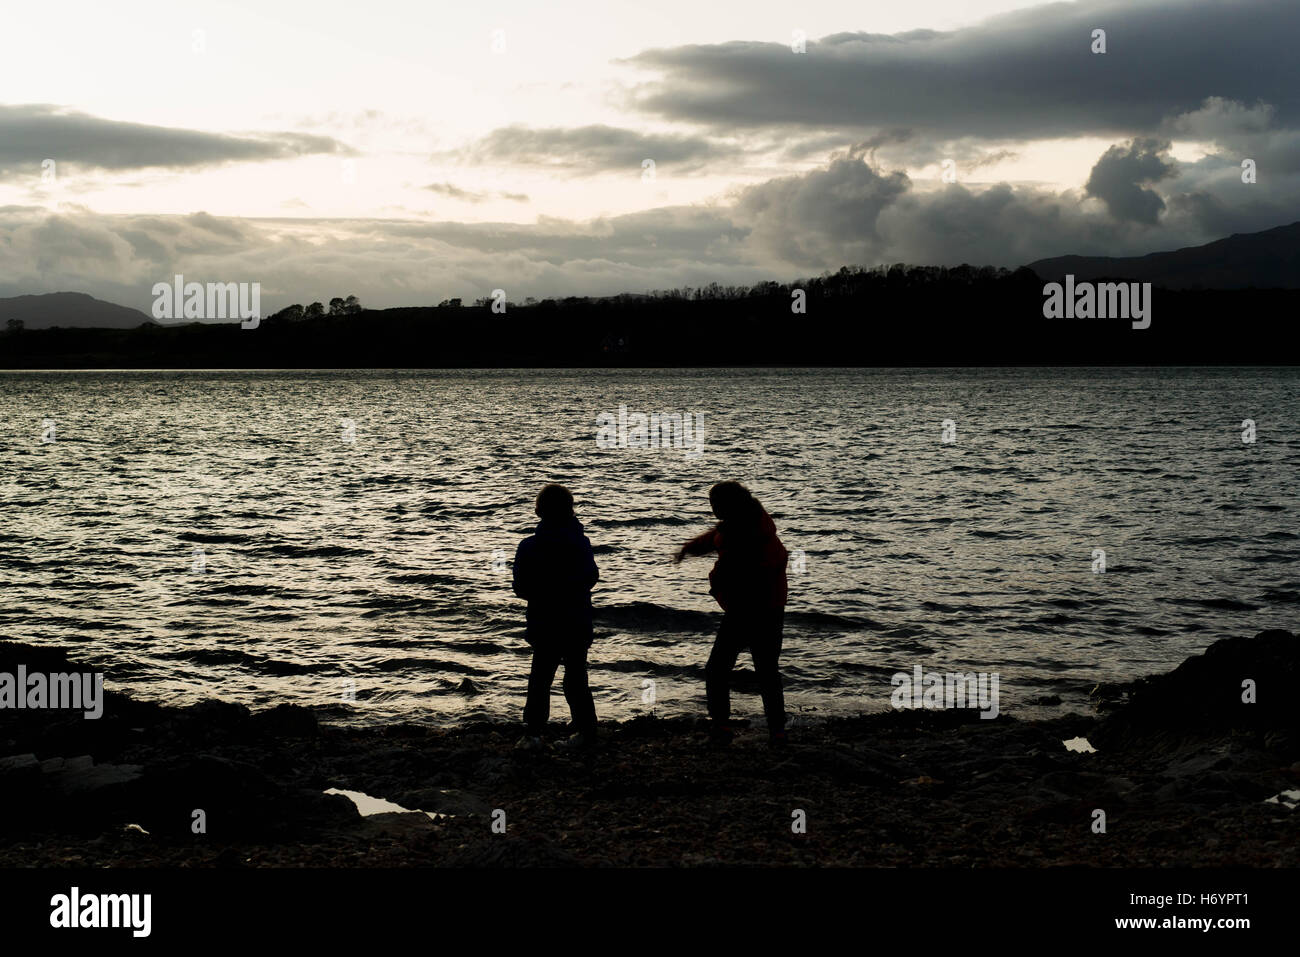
[(537, 708), (577, 692), (717, 673), (765, 648)]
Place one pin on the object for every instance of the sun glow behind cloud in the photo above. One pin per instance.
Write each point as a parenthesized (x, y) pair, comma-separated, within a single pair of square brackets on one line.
[(420, 155), (403, 84)]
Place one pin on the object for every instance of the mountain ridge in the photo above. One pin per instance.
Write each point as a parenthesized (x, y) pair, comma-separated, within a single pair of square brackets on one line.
[(69, 310), (1268, 259)]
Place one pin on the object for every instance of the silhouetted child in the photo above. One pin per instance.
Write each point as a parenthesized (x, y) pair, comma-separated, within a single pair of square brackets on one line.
[(749, 582), (554, 572)]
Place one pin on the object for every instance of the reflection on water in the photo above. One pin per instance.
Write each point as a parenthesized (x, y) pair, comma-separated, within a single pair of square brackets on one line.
[(342, 539)]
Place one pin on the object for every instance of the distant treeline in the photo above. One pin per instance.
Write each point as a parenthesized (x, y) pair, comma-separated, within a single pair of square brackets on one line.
[(884, 316)]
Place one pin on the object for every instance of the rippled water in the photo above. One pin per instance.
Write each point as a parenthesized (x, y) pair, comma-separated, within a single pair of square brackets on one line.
[(374, 561)]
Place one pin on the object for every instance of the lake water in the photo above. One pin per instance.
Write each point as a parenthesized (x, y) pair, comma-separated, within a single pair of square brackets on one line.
[(273, 537)]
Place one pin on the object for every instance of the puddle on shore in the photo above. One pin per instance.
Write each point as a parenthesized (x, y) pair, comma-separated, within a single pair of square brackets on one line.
[(1079, 744), (367, 805), (1289, 798)]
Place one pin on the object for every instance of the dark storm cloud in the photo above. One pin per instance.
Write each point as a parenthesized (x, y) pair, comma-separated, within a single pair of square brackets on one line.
[(1027, 74), (853, 211), (1211, 190), (591, 149), (803, 219), (1121, 175), (32, 133)]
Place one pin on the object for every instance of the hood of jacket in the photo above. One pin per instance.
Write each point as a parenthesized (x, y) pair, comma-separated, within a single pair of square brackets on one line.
[(560, 529)]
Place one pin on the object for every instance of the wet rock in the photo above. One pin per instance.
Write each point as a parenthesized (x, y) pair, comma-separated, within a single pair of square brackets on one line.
[(20, 776), (981, 793), (1285, 741), (854, 766), (398, 824), (237, 798), (492, 769), (444, 801), (313, 810), (510, 851), (286, 721), (1205, 693), (211, 722), (74, 781), (1002, 773), (1085, 784)]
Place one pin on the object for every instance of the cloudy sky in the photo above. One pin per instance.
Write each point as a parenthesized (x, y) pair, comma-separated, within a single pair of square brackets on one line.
[(407, 152)]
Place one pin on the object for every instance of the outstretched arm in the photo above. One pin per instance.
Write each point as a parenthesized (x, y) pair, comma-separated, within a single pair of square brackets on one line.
[(699, 545)]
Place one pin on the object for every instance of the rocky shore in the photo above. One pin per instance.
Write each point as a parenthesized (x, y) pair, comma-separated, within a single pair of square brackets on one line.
[(1183, 770)]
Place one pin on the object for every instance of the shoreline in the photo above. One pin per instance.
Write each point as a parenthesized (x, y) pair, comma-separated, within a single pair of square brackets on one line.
[(1182, 770)]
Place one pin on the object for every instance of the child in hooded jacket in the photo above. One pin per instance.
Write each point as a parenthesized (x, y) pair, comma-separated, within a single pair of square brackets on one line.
[(749, 582), (554, 571)]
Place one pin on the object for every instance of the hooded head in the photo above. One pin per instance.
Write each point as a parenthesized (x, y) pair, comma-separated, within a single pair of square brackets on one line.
[(554, 504), (734, 504)]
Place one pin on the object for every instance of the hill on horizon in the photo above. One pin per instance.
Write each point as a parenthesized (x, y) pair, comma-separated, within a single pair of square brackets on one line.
[(69, 310), (1265, 260), (1269, 259)]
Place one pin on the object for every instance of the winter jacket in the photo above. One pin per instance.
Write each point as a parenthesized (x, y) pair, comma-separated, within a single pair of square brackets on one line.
[(554, 572), (750, 570)]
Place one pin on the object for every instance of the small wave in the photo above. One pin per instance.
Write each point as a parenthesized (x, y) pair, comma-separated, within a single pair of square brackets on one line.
[(1223, 604), (647, 616), (383, 604), (865, 667), (821, 620), (230, 656), (316, 551), (1269, 558), (215, 538), (474, 647), (243, 589), (644, 522), (427, 664), (939, 606), (460, 511), (660, 669), (429, 578)]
